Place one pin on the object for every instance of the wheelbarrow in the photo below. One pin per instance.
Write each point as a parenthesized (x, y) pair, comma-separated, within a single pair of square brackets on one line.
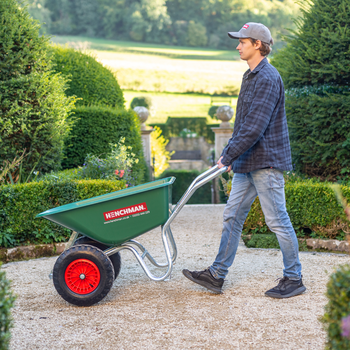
[(103, 226)]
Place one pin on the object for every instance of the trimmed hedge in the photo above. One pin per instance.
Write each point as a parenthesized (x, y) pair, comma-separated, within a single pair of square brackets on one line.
[(183, 180), (174, 126), (7, 302), (312, 207), (19, 204), (337, 312), (96, 128), (89, 79)]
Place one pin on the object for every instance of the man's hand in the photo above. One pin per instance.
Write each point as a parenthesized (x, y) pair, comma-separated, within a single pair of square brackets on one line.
[(220, 165)]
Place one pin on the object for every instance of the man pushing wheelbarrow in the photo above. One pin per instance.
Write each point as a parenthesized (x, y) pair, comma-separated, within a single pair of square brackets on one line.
[(257, 152)]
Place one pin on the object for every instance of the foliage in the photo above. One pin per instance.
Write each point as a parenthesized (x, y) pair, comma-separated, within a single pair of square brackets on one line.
[(319, 127), (7, 302), (314, 67), (337, 310), (212, 111), (33, 105), (177, 22), (89, 80), (21, 203), (117, 165), (184, 179), (143, 101), (158, 151), (96, 128), (319, 215), (196, 34), (263, 241)]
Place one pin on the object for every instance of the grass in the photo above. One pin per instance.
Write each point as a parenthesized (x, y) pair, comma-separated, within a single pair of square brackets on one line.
[(116, 46), (160, 68), (175, 105)]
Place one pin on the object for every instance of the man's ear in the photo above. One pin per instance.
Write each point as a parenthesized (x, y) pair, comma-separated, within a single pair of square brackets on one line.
[(257, 44)]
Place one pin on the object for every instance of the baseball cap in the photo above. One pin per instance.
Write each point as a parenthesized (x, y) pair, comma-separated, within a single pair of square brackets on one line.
[(255, 31)]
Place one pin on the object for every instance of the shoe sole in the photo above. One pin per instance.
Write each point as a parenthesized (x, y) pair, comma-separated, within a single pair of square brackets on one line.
[(295, 292), (202, 283)]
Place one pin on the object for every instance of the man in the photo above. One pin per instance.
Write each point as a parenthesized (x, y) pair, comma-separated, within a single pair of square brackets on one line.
[(257, 152)]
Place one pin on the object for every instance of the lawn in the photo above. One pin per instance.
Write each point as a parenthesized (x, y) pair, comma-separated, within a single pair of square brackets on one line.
[(176, 105), (160, 68)]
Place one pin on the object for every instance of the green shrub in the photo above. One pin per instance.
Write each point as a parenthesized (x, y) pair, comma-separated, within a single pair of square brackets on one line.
[(33, 105), (184, 179), (212, 111), (116, 165), (89, 79), (314, 67), (336, 318), (312, 207), (319, 127), (19, 204), (158, 152), (7, 302), (263, 241), (96, 128), (143, 101)]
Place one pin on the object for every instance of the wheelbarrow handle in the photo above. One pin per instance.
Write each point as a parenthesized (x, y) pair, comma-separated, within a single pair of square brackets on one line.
[(199, 181)]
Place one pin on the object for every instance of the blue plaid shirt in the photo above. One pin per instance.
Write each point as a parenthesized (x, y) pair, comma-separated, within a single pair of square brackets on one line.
[(260, 136)]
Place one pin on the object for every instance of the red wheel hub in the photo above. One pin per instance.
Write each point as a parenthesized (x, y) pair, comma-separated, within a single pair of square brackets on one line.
[(82, 276)]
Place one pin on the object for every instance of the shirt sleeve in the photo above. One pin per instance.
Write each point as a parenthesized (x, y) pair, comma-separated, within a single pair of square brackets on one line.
[(265, 98)]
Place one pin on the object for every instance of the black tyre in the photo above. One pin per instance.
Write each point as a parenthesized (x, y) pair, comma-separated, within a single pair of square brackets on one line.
[(115, 258), (83, 275)]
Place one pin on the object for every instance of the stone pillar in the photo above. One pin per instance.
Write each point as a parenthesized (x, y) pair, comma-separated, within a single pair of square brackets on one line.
[(222, 134), (143, 114)]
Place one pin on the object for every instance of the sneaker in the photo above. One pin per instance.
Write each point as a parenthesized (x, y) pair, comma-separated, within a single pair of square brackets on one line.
[(286, 288), (205, 279)]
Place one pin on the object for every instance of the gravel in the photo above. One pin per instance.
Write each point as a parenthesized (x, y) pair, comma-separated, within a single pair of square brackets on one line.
[(177, 314)]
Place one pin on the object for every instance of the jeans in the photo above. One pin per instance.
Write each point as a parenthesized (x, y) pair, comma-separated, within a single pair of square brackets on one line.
[(268, 184)]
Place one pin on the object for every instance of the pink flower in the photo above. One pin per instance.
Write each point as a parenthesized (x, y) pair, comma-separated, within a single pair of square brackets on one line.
[(126, 185), (122, 173), (345, 326), (116, 172)]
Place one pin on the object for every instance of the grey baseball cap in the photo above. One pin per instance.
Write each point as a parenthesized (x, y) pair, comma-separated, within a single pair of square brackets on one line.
[(255, 31)]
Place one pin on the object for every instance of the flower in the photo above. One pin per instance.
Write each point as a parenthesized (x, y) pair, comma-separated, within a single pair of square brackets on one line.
[(116, 172), (345, 326), (122, 172), (126, 185)]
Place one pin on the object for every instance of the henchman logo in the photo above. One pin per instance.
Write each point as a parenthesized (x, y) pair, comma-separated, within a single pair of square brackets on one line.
[(246, 26), (119, 213)]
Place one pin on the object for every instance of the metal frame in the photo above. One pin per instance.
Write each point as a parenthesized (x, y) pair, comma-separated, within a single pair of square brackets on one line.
[(166, 231)]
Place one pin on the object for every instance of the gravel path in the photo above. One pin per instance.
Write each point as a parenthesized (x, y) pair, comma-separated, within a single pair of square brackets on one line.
[(177, 314)]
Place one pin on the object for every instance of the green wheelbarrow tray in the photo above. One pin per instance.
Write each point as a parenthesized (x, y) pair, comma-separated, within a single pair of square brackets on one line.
[(116, 218)]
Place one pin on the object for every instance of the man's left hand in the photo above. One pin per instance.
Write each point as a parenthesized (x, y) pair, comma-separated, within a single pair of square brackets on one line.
[(220, 165)]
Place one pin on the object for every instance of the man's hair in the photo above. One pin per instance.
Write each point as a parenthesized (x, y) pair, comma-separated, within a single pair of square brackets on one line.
[(265, 49)]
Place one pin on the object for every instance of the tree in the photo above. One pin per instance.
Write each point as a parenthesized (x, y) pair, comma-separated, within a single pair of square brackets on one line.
[(33, 106), (315, 68)]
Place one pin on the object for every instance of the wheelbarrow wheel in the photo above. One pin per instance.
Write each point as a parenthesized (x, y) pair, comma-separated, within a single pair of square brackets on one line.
[(115, 258), (83, 275)]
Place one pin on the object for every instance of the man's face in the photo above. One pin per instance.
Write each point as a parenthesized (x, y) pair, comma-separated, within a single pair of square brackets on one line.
[(247, 50)]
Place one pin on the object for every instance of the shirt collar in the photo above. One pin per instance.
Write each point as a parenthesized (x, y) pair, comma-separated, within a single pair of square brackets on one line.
[(262, 63)]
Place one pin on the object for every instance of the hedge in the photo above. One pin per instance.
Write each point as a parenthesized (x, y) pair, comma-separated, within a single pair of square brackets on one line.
[(96, 127), (89, 80), (174, 125), (19, 204), (312, 207), (183, 180), (337, 311), (7, 298)]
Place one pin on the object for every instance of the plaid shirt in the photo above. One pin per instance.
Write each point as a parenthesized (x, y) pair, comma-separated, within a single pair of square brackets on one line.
[(260, 135)]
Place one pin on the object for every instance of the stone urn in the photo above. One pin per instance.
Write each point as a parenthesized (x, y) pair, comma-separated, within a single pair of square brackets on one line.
[(143, 114), (224, 113)]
